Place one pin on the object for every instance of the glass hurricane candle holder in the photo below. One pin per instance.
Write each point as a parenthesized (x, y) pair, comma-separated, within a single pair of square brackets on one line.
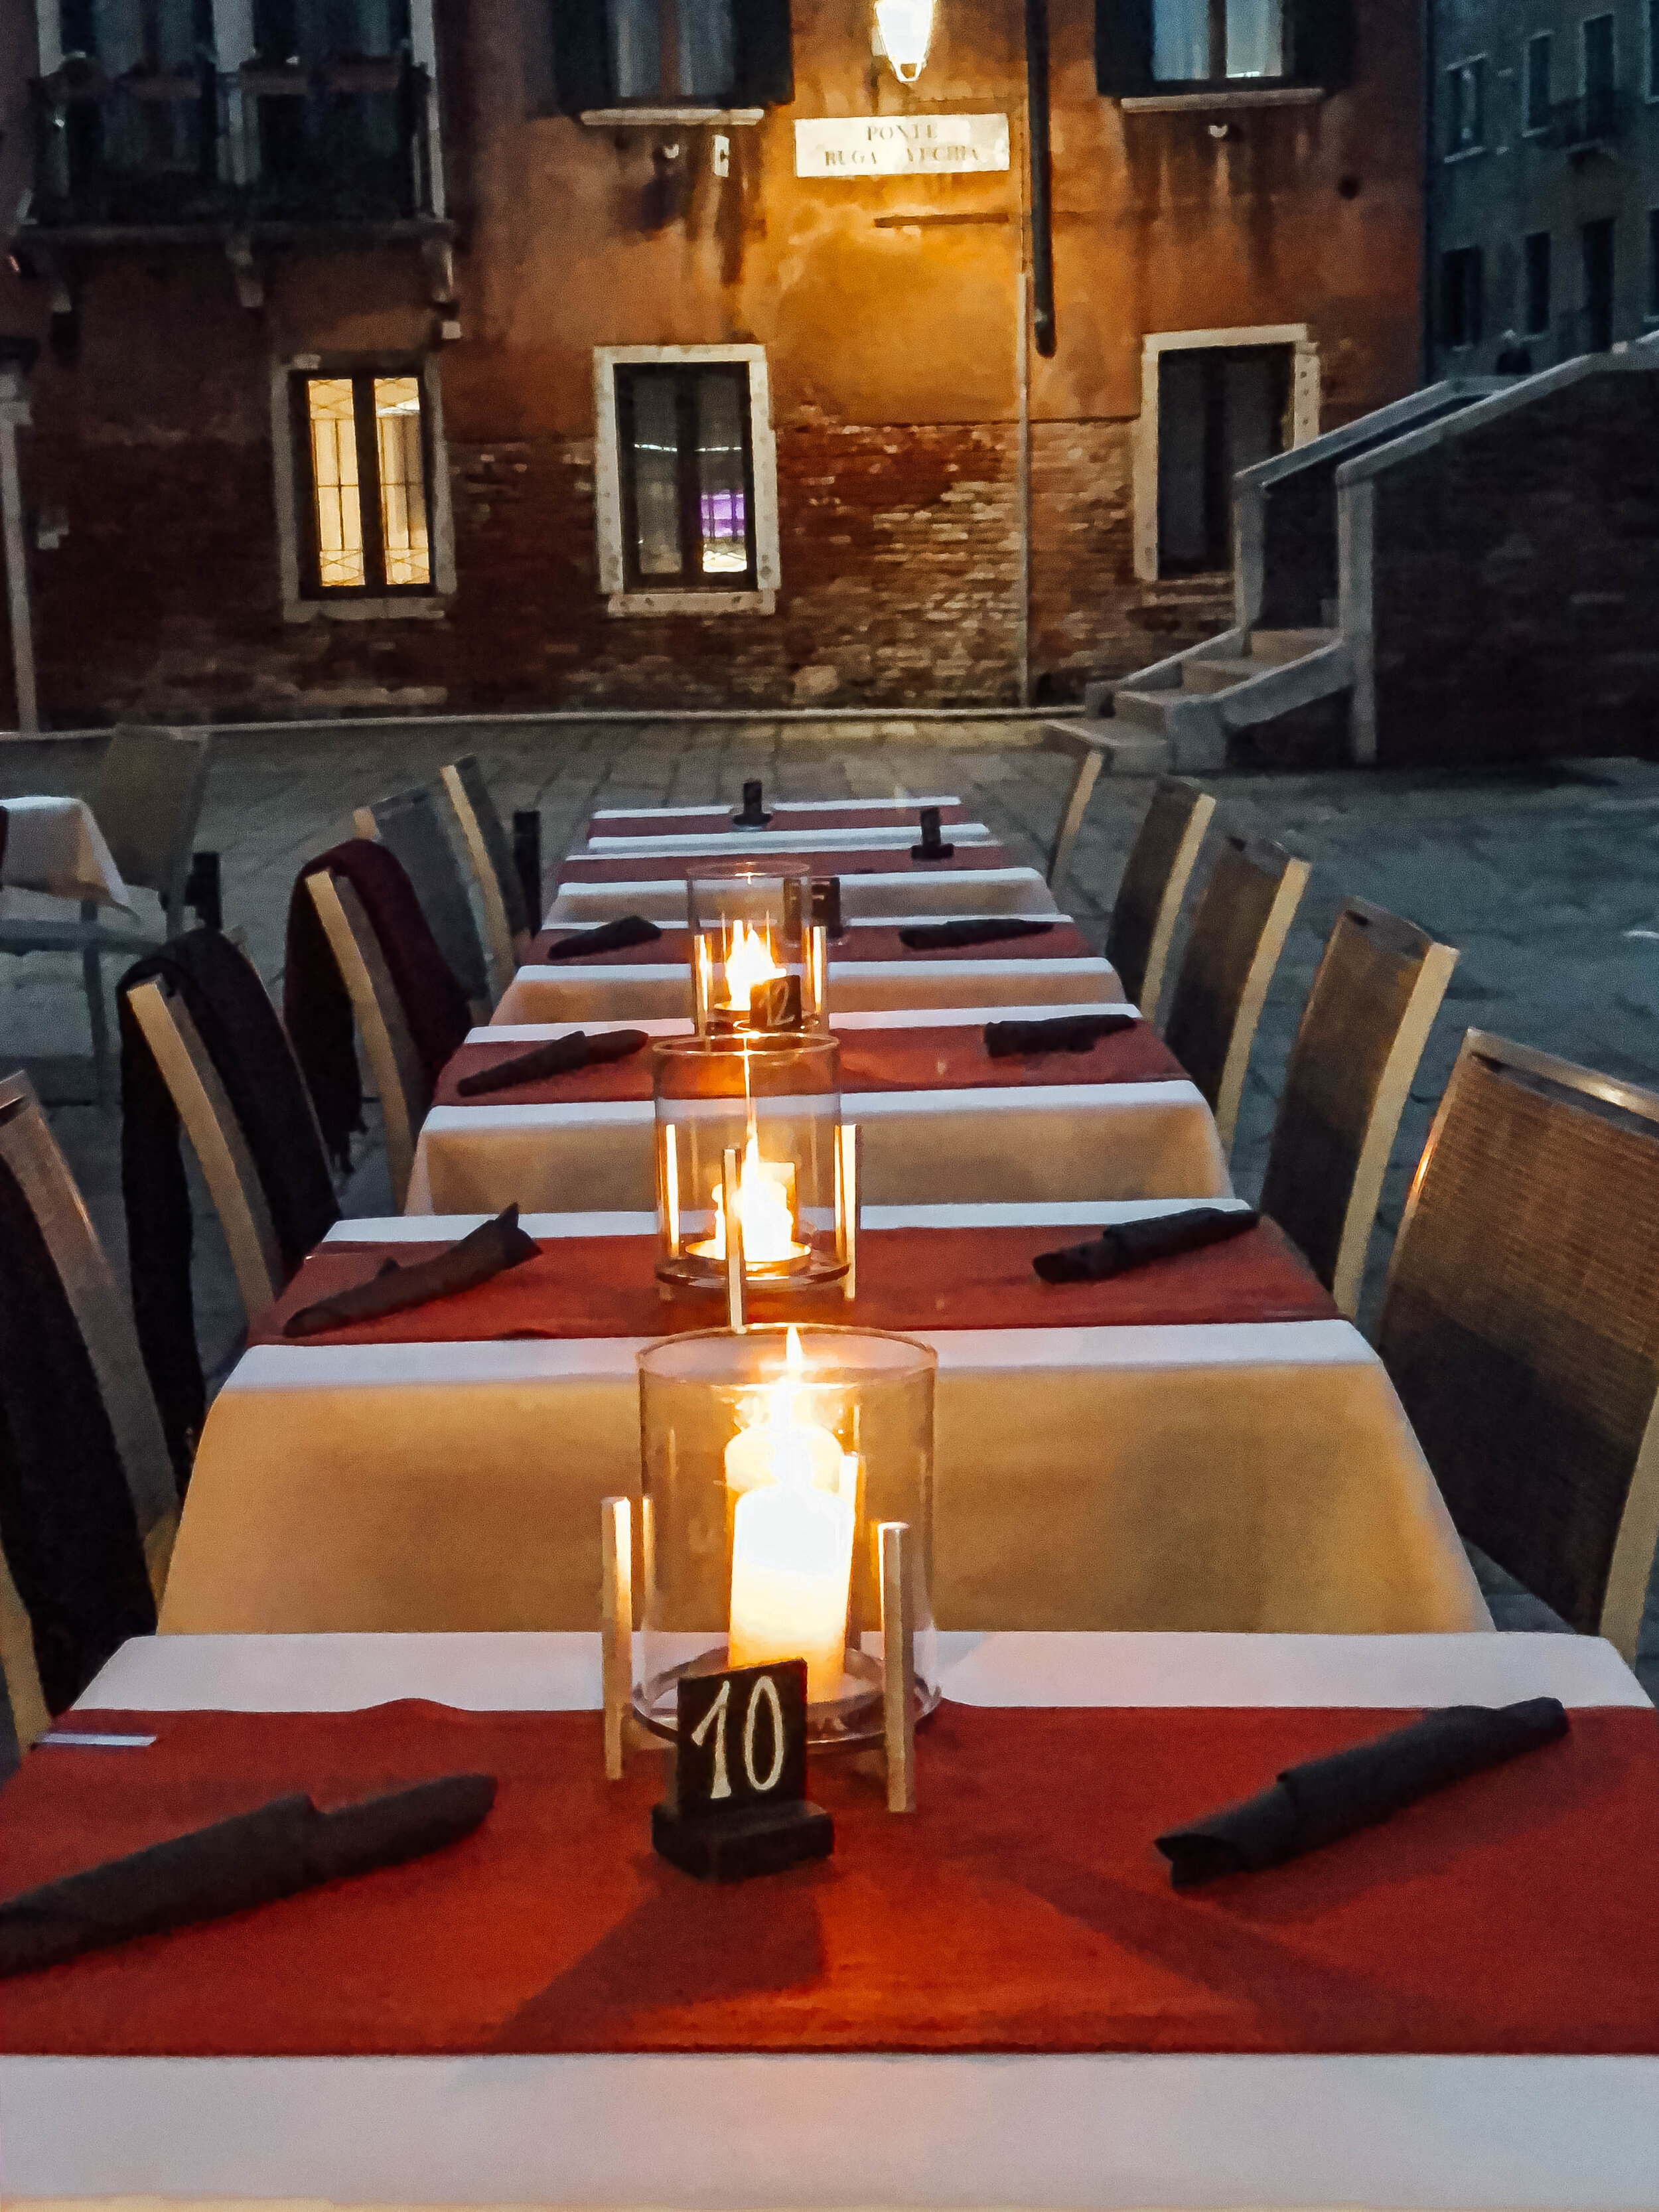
[(758, 962), (774, 1108), (771, 1456)]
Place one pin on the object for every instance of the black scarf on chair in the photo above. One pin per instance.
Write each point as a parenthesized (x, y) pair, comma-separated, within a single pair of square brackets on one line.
[(67, 1523), (243, 1038)]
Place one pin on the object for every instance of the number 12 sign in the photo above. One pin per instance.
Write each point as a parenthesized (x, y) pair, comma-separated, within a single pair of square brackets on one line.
[(739, 1805)]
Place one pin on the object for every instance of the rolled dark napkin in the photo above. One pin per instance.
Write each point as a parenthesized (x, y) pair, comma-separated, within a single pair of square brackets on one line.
[(233, 1865), (1135, 1243), (561, 1056), (1325, 1799), (947, 936), (933, 846), (488, 1251), (1063, 1033), (605, 937), (754, 815)]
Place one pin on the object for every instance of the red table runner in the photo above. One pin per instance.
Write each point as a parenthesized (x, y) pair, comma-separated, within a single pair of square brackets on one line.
[(706, 822), (908, 1278), (673, 948), (1021, 1909), (920, 1059), (664, 867)]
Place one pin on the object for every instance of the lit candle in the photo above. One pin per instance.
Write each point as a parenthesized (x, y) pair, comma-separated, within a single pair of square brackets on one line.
[(748, 963), (766, 1190), (792, 1566), (795, 1518)]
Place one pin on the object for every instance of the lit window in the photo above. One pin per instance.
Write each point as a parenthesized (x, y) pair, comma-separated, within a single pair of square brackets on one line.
[(1206, 41), (687, 476), (365, 496)]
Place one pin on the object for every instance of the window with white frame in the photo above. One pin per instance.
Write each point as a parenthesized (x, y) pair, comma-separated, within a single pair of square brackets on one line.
[(1211, 42), (687, 479)]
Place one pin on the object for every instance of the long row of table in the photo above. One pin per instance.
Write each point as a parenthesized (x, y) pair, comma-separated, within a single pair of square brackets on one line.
[(1183, 1538)]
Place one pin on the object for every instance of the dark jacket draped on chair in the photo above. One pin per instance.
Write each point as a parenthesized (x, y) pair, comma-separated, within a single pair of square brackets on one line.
[(66, 1524), (243, 1038), (315, 1005)]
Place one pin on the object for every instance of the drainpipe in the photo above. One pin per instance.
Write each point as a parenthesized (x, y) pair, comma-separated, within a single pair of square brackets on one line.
[(16, 356), (1036, 132)]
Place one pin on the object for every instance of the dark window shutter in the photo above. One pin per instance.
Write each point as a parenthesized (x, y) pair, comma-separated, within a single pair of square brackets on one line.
[(1321, 43), (1123, 47), (582, 56), (765, 57)]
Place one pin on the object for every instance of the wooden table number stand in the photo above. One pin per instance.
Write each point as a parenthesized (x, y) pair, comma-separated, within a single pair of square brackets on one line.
[(894, 1579)]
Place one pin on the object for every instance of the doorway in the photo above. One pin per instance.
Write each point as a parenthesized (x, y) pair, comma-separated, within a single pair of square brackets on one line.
[(1220, 410), (1598, 285)]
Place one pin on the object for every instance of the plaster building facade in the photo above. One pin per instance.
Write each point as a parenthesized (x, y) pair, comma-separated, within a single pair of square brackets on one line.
[(1544, 195), (486, 354)]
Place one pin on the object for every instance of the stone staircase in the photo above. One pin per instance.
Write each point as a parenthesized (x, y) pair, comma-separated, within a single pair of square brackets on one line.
[(1180, 713), (1288, 650)]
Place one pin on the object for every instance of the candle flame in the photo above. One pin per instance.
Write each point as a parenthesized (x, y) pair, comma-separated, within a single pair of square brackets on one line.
[(748, 964), (794, 1446)]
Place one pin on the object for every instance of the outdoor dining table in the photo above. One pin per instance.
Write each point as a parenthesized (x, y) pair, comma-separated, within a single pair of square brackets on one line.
[(869, 968), (1201, 1443), (53, 858), (996, 2000), (979, 876), (867, 815), (942, 1120)]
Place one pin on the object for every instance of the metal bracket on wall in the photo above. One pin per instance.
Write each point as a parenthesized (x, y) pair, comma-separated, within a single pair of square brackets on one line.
[(250, 286)]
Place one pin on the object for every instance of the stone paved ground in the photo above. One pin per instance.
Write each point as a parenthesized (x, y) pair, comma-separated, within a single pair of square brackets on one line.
[(1547, 880)]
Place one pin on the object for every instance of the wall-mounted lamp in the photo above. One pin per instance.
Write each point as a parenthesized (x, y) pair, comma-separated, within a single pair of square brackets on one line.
[(906, 30)]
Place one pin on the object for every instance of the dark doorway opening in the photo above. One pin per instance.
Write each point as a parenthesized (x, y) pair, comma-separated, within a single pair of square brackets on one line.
[(1220, 410), (1598, 285)]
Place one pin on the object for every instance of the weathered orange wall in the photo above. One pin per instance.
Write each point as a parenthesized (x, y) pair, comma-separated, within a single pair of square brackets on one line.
[(892, 351)]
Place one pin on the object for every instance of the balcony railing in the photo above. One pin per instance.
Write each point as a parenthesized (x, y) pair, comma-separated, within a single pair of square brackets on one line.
[(1594, 119), (345, 142)]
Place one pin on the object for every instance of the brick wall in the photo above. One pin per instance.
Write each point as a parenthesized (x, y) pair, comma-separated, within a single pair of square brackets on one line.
[(900, 562), (1515, 587)]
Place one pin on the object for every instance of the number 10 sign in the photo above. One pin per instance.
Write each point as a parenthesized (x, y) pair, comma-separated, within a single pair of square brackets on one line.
[(739, 1804)]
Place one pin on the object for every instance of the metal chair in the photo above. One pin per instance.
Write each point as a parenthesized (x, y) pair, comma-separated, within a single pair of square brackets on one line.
[(508, 924), (1373, 1001), (147, 800), (1521, 1326), (1237, 935), (1153, 884), (380, 1021), (408, 825), (70, 1521)]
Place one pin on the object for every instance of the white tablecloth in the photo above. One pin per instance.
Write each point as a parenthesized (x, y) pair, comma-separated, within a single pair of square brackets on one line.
[(1234, 1475), (1084, 2134), (571, 991), (690, 847), (55, 857), (879, 895), (1061, 1140), (786, 813)]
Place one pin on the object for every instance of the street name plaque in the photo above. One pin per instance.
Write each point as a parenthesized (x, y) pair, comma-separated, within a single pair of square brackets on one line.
[(901, 145)]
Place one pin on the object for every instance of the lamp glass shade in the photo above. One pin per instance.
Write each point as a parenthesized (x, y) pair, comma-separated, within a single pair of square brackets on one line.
[(775, 1103), (758, 965), (769, 1456), (907, 30)]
